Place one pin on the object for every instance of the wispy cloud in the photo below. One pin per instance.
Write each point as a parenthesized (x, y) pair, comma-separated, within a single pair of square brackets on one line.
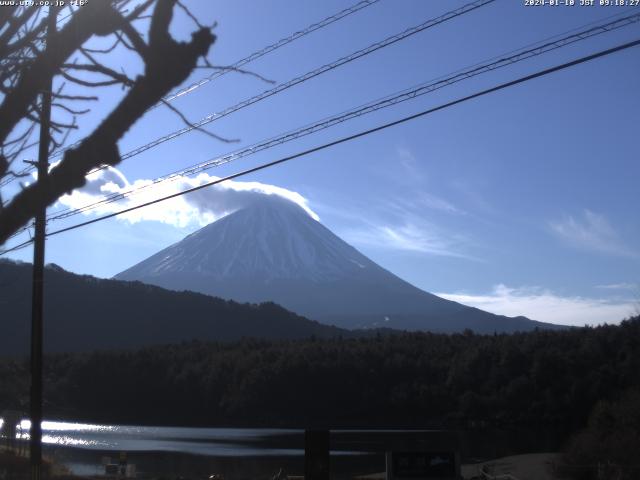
[(470, 192), (411, 223), (430, 201), (410, 233), (591, 231), (543, 305), (409, 163), (416, 178), (406, 222), (198, 208), (619, 286)]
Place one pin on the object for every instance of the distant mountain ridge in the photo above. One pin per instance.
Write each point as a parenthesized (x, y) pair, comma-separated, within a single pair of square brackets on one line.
[(273, 250), (84, 313)]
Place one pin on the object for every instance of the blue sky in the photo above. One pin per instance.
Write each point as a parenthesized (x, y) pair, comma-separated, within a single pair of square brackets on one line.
[(523, 202)]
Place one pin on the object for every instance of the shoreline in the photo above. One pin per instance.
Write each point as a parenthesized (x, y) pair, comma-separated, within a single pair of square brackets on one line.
[(172, 465)]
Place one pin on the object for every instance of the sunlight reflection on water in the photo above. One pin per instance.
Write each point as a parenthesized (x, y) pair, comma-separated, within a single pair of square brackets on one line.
[(207, 441), (66, 426)]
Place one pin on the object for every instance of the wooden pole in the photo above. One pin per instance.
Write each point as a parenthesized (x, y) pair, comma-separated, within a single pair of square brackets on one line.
[(35, 433)]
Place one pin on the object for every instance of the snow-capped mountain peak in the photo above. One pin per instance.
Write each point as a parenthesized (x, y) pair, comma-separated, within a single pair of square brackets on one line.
[(271, 239), (273, 250)]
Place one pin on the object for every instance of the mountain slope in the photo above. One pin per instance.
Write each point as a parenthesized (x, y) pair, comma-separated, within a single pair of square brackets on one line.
[(273, 250), (84, 313)]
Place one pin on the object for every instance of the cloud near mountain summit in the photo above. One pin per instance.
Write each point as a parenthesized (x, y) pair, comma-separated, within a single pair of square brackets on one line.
[(197, 208)]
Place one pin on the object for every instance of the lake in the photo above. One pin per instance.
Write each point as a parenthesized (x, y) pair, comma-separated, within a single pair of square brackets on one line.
[(251, 452), (235, 452), (197, 441)]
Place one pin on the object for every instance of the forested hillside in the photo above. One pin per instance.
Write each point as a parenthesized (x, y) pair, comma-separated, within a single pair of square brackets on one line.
[(416, 379), (84, 313)]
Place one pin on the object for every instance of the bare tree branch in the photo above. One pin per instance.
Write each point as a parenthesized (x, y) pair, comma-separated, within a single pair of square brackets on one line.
[(102, 50), (168, 63), (14, 24), (137, 43), (198, 129), (139, 10), (83, 98), (97, 68), (95, 18), (236, 70), (24, 41), (190, 15), (69, 109), (87, 83)]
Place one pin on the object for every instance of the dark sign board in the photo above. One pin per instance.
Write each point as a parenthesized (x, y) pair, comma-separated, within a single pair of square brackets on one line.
[(316, 455), (422, 465)]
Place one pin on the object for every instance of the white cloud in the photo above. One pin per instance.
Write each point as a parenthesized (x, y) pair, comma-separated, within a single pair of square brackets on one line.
[(197, 208), (410, 164), (420, 200), (398, 224), (470, 192), (411, 235), (543, 305), (620, 286), (591, 232), (438, 203), (414, 174)]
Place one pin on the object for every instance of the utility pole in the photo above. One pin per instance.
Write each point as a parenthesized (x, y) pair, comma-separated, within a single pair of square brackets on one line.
[(35, 437)]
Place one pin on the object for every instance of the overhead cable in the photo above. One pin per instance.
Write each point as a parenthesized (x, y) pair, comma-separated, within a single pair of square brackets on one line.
[(235, 66), (364, 133), (370, 107)]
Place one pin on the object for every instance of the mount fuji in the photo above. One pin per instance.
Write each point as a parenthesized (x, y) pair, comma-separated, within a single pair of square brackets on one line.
[(273, 250)]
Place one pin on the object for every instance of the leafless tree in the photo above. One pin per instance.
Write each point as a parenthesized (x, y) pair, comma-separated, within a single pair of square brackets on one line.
[(28, 56)]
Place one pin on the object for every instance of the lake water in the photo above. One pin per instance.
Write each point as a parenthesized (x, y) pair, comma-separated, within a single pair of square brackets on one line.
[(236, 452), (243, 452), (198, 441)]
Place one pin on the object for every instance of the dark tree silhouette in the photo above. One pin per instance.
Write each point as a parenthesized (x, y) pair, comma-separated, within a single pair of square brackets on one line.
[(27, 59)]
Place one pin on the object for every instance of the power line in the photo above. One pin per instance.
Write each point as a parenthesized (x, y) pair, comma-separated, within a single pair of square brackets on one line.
[(15, 248), (235, 66), (422, 89), (505, 59), (370, 107), (303, 78), (423, 113), (309, 75), (274, 46)]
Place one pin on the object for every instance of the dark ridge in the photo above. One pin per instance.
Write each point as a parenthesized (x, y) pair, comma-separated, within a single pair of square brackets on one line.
[(84, 313)]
